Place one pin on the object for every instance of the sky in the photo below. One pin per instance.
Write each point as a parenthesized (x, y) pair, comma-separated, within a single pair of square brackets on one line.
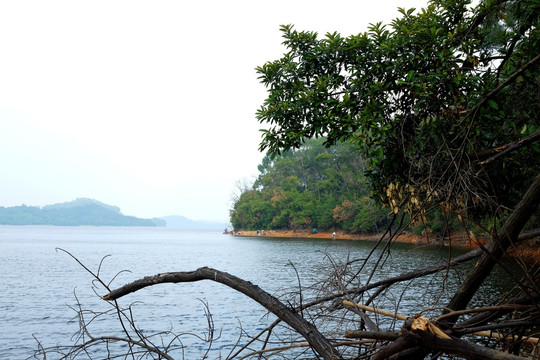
[(146, 105)]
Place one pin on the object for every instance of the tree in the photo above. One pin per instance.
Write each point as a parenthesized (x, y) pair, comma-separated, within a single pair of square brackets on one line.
[(429, 101), (444, 103)]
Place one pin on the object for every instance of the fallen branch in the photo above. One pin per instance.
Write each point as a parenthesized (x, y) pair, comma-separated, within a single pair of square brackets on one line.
[(405, 340), (301, 345), (529, 234), (316, 340), (400, 278), (460, 347), (375, 335), (526, 298), (419, 331)]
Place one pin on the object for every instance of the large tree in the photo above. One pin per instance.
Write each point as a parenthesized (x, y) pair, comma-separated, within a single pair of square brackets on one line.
[(444, 102)]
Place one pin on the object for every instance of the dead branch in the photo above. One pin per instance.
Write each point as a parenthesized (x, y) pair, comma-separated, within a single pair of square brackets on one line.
[(458, 347), (407, 339), (423, 328), (375, 335), (496, 326), (529, 298), (491, 334), (374, 310), (267, 330), (416, 322), (506, 307), (301, 345), (317, 341), (529, 234), (400, 278)]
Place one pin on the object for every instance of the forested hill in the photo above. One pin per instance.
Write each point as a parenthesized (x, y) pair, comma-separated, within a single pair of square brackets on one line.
[(312, 187), (78, 212)]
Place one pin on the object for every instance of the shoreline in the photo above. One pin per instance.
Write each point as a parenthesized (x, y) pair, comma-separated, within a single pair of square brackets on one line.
[(528, 250), (460, 240)]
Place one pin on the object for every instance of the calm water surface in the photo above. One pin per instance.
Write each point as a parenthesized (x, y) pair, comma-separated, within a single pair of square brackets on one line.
[(40, 284)]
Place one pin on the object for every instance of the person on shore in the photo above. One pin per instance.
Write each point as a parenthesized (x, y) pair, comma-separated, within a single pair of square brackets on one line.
[(333, 235)]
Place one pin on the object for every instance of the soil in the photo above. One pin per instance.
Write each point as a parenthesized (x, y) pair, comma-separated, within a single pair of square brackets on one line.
[(527, 250)]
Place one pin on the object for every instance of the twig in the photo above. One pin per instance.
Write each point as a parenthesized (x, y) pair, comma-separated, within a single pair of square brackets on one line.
[(374, 310), (484, 309)]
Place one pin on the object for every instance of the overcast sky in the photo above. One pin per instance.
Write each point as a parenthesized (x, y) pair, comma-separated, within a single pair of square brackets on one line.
[(146, 105)]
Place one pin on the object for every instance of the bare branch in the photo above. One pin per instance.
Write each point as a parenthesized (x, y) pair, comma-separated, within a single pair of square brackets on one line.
[(507, 82), (317, 341), (507, 148)]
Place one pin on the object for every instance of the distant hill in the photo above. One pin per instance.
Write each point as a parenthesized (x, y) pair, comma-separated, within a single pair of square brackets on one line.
[(81, 202), (182, 222), (81, 211)]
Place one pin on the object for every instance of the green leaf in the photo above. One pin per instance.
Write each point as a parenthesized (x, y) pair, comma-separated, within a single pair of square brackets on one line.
[(493, 104)]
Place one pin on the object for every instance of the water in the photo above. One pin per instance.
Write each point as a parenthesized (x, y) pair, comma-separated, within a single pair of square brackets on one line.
[(41, 283)]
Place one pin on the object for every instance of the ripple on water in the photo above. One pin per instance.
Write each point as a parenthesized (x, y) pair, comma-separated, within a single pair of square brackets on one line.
[(40, 284)]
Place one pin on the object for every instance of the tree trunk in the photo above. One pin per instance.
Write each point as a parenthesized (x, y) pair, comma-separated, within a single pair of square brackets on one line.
[(506, 236)]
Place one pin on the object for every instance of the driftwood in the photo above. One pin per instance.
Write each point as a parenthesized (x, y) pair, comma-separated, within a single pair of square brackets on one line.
[(316, 340), (458, 347), (407, 339)]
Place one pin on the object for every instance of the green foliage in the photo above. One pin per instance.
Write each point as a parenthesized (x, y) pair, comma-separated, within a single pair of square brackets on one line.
[(370, 218), (428, 99), (313, 186)]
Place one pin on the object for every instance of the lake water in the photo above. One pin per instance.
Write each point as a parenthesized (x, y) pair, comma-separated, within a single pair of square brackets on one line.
[(40, 284)]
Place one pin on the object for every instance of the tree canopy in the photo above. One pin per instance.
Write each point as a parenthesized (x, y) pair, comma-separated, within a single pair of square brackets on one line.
[(443, 102)]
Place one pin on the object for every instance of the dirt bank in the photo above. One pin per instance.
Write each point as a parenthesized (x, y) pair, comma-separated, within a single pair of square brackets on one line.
[(528, 250), (457, 240)]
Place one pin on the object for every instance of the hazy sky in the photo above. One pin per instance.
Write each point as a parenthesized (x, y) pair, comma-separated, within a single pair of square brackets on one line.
[(146, 105)]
